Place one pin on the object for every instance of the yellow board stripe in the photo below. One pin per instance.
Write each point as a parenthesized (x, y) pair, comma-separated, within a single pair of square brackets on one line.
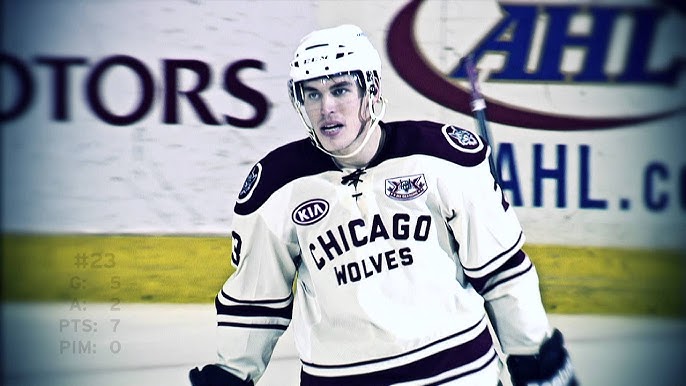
[(611, 280), (191, 269)]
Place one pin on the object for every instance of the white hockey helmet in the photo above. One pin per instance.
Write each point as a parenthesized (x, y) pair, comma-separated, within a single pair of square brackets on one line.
[(336, 51)]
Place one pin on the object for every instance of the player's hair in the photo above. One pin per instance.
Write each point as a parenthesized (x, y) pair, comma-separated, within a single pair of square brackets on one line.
[(330, 52)]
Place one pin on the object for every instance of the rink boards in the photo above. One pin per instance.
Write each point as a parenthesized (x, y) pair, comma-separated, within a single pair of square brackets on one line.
[(191, 269)]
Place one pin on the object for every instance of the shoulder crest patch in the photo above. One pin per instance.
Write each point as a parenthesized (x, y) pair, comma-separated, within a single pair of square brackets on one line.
[(461, 139), (250, 183), (406, 188)]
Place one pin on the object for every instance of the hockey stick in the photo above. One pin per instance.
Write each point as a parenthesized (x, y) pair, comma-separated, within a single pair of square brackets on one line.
[(478, 105), (479, 110)]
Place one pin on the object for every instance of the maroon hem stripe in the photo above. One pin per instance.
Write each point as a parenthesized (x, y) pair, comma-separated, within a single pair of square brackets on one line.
[(424, 368)]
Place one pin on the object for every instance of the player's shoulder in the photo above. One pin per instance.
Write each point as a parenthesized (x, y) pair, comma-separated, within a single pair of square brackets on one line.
[(448, 142), (278, 168)]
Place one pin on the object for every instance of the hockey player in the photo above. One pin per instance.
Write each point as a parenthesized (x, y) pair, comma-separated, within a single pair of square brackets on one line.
[(399, 241)]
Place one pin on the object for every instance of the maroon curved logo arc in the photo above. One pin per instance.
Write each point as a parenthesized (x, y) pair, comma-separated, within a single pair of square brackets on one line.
[(408, 62)]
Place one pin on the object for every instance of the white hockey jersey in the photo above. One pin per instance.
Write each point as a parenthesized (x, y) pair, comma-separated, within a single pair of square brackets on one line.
[(392, 263)]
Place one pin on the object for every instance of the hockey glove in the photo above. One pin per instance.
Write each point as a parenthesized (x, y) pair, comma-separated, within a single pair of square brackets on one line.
[(551, 366), (213, 375)]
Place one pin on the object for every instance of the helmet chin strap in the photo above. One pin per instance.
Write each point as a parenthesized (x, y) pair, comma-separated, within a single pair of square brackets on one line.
[(375, 118)]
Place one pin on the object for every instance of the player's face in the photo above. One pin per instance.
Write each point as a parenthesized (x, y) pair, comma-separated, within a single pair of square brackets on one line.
[(336, 110)]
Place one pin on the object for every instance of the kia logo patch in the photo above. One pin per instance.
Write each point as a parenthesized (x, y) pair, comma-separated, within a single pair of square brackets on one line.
[(310, 212)]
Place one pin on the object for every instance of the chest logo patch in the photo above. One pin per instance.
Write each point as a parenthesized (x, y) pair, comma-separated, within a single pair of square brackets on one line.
[(310, 211), (406, 188)]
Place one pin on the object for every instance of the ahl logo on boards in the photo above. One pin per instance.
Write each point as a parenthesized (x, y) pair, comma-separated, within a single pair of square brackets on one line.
[(547, 65)]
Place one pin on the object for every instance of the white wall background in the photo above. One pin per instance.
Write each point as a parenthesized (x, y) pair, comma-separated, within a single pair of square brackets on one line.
[(84, 175)]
